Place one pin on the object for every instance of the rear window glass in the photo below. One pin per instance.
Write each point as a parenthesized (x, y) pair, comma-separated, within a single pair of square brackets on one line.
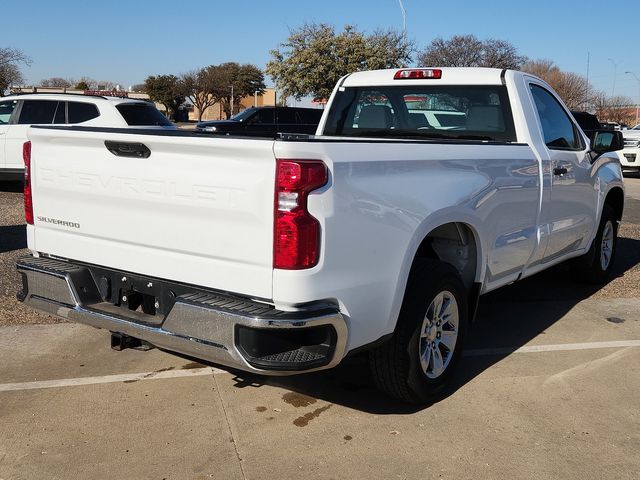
[(81, 112), (423, 112), (37, 112), (142, 114)]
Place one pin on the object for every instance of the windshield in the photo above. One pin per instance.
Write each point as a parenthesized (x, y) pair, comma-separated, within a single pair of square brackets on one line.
[(243, 115), (423, 112), (637, 127)]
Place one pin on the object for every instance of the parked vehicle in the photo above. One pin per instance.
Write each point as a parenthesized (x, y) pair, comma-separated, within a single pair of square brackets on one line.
[(282, 257), (630, 155), (18, 112), (265, 122), (588, 122)]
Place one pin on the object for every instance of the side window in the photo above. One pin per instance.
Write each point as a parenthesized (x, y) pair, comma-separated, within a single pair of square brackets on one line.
[(6, 109), (264, 116), (558, 129), (36, 112), (286, 116), (311, 116), (81, 112)]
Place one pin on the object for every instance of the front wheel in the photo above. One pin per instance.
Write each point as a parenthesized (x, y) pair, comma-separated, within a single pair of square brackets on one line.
[(595, 266), (426, 346)]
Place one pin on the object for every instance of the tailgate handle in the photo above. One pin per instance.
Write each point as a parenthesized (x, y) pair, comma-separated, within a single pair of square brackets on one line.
[(128, 149)]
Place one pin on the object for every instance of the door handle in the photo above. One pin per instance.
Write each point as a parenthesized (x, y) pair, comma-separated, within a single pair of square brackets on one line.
[(128, 149), (560, 171)]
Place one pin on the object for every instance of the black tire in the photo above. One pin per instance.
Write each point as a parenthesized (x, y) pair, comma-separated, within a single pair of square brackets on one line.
[(590, 267), (396, 365)]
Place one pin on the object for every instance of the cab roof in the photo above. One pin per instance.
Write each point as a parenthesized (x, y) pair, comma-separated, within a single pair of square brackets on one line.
[(448, 76)]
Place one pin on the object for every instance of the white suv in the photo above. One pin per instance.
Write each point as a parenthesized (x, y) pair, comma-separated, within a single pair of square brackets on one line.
[(630, 155), (18, 112)]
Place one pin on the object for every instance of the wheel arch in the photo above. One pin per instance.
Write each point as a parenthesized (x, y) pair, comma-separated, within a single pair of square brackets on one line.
[(456, 241), (615, 199)]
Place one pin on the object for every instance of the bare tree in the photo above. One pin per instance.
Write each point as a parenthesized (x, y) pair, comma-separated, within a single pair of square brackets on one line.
[(199, 87), (571, 87), (57, 82), (10, 61), (469, 51), (618, 108)]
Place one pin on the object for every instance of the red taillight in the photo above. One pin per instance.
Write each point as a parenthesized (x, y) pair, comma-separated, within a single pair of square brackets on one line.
[(418, 74), (28, 200), (296, 234)]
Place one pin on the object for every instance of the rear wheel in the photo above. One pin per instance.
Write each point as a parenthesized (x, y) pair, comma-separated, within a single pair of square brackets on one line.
[(420, 357), (595, 266)]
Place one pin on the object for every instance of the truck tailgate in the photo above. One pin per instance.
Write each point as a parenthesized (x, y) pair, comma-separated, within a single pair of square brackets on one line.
[(197, 210)]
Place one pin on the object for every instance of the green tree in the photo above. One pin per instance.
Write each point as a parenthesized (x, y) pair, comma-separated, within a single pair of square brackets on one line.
[(314, 57), (81, 85), (10, 61), (198, 88), (166, 90), (245, 79), (469, 51)]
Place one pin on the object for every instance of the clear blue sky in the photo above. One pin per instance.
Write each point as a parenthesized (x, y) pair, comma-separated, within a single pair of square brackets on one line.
[(125, 41)]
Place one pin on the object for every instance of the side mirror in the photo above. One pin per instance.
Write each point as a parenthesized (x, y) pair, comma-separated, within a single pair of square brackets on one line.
[(604, 141)]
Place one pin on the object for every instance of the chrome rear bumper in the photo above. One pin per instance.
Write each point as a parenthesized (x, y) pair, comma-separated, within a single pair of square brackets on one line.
[(214, 327)]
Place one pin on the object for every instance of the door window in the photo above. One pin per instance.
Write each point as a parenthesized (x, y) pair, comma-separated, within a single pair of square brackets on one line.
[(37, 112), (559, 131), (265, 116), (6, 109), (287, 116)]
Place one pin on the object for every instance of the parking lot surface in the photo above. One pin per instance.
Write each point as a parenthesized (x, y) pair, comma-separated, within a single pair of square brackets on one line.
[(548, 389)]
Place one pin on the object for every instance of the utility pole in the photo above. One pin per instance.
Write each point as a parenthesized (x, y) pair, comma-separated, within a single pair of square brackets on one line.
[(615, 71), (231, 103), (586, 90), (638, 105)]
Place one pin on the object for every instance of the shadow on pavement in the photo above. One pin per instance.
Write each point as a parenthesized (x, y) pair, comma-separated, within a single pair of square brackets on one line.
[(14, 187), (13, 237), (507, 319)]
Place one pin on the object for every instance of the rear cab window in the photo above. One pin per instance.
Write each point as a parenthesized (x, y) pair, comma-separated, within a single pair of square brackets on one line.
[(142, 115), (424, 112)]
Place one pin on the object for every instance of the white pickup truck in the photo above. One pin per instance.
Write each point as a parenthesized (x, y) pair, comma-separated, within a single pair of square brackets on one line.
[(279, 257)]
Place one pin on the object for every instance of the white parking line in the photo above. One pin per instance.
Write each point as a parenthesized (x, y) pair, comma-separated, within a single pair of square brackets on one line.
[(561, 347), (196, 372), (125, 377)]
